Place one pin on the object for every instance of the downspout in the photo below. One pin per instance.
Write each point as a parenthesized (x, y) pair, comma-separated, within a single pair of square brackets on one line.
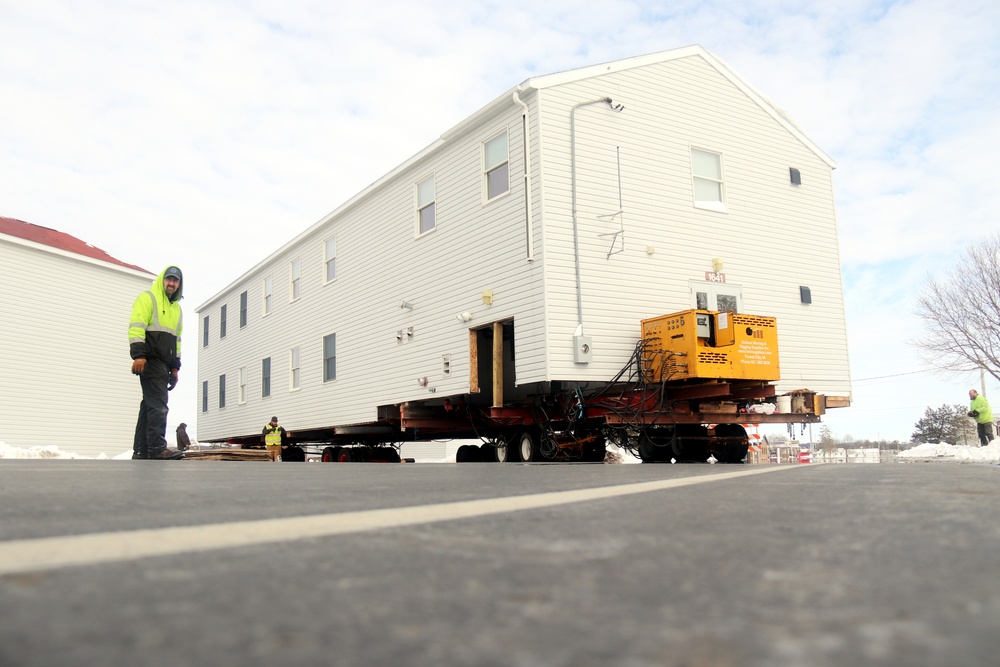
[(525, 132), (576, 233)]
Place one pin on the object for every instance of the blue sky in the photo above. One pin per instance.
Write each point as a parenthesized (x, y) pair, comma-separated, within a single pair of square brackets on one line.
[(210, 132)]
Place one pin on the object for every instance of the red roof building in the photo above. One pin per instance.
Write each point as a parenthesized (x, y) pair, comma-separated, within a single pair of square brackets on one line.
[(58, 240)]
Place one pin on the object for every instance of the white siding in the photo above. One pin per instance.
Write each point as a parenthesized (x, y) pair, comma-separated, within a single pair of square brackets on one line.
[(475, 246), (64, 341), (773, 238)]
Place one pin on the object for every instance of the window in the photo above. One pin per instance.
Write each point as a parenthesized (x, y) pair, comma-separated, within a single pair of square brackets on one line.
[(330, 258), (222, 321), (295, 379), (204, 396), (265, 378), (706, 169), (295, 272), (204, 332), (329, 358), (716, 296), (267, 295), (243, 385), (222, 391), (425, 205), (243, 310), (495, 166)]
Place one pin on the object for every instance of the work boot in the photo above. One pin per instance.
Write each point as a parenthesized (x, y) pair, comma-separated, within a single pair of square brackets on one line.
[(138, 455), (166, 454)]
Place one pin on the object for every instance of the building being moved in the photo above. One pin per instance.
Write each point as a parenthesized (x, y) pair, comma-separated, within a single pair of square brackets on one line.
[(518, 254), (65, 379)]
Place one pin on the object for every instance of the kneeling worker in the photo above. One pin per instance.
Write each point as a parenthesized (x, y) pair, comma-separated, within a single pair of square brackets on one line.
[(274, 437)]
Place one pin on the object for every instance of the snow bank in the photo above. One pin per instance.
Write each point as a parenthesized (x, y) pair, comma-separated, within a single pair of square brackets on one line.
[(964, 453)]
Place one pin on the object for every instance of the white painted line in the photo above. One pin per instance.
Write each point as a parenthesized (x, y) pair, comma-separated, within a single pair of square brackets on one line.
[(77, 550)]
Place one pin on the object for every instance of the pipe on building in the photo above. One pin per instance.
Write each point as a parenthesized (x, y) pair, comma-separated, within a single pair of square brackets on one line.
[(526, 142), (576, 233)]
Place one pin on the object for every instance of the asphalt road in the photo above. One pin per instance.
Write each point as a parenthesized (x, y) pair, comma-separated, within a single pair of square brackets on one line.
[(234, 563)]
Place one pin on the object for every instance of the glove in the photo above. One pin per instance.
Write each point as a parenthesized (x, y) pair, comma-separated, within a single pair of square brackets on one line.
[(974, 414), (138, 366), (172, 382)]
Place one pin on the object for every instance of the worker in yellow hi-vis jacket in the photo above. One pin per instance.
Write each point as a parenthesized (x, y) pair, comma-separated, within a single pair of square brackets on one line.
[(274, 437)]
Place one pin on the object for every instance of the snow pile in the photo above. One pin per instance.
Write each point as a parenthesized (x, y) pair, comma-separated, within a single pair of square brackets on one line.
[(964, 453), (41, 452)]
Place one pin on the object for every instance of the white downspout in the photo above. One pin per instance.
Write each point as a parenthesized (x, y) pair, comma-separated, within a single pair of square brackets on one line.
[(526, 141)]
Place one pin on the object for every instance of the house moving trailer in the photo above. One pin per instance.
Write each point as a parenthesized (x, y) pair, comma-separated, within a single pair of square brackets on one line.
[(641, 252)]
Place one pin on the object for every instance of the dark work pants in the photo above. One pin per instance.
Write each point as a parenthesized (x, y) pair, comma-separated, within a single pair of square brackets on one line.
[(985, 432), (151, 427)]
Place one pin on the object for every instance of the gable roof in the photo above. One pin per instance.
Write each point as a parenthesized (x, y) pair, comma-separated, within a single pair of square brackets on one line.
[(569, 76), (60, 241)]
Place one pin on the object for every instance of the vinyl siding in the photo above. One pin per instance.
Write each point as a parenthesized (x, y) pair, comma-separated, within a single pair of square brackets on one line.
[(64, 341), (475, 246), (773, 237)]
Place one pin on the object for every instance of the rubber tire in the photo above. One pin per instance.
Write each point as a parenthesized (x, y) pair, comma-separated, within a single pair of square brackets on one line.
[(331, 454), (467, 454), (293, 454), (526, 448), (488, 453)]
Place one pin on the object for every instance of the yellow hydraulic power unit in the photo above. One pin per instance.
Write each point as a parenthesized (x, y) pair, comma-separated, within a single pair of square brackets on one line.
[(707, 344)]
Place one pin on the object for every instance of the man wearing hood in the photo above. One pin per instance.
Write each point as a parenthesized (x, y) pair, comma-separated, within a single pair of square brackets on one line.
[(154, 337)]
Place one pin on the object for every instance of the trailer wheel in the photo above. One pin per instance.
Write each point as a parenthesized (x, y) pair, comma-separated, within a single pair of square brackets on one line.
[(293, 454), (488, 453), (331, 454), (385, 454), (467, 454), (526, 447), (595, 452), (731, 443), (343, 455)]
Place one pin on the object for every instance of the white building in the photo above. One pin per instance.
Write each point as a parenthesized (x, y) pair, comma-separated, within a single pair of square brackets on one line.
[(64, 341), (562, 213)]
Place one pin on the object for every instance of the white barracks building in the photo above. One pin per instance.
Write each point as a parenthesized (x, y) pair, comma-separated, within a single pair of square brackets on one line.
[(566, 211)]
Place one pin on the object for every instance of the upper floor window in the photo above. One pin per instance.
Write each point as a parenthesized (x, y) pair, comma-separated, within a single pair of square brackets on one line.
[(294, 276), (204, 332), (243, 310), (265, 377), (222, 321), (425, 205), (267, 295), (495, 166), (295, 380), (330, 258), (706, 170), (243, 385), (329, 357)]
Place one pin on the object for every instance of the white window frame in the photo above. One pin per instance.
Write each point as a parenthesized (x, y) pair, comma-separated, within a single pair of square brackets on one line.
[(489, 168), (295, 369), (267, 289), (327, 259), (423, 204), (294, 279), (704, 177), (243, 385), (265, 378), (326, 358), (712, 292)]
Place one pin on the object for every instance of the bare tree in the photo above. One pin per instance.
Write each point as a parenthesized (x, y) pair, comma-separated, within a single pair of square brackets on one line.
[(961, 312)]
